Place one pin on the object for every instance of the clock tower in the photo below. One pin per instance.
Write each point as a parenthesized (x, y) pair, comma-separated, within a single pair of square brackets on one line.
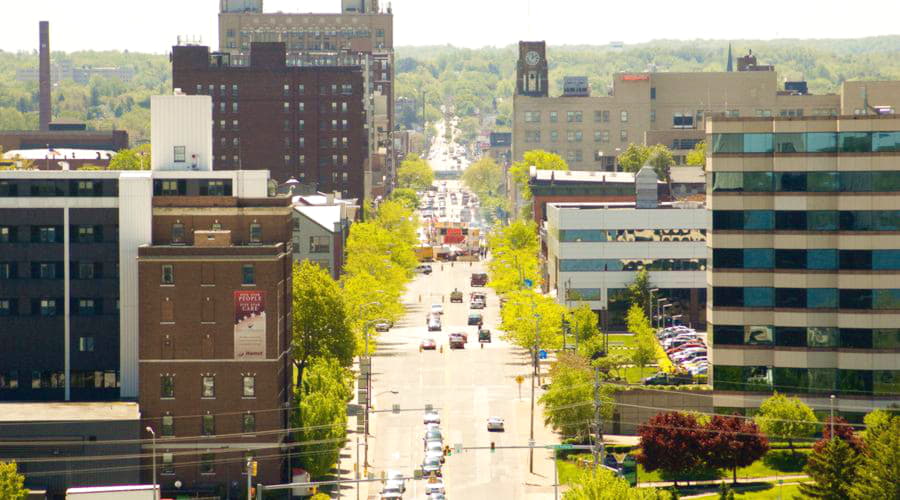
[(531, 70)]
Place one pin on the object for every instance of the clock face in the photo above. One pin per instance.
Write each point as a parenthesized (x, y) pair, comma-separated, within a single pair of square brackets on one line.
[(532, 58)]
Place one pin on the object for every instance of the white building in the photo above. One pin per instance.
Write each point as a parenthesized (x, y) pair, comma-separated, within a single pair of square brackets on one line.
[(595, 249), (181, 128)]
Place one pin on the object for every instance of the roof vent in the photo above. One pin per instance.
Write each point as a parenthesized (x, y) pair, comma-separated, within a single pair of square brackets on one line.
[(645, 185)]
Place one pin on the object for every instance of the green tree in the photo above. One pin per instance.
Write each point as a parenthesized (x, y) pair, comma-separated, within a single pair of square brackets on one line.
[(131, 159), (697, 156), (602, 484), (879, 472), (319, 319), (484, 178), (644, 353), (833, 470), (529, 319), (658, 156), (321, 417), (568, 403), (514, 257), (12, 484), (583, 321), (639, 290), (415, 173), (877, 422), (783, 417), (406, 197), (520, 171)]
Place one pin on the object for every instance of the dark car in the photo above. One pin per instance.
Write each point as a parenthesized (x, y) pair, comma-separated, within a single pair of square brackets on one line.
[(457, 341), (478, 279), (475, 319), (668, 379)]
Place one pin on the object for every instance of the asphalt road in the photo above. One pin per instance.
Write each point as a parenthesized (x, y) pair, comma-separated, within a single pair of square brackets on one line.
[(467, 386)]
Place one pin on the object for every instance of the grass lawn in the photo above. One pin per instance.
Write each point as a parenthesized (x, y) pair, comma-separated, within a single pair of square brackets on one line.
[(616, 340), (567, 471), (775, 463), (633, 373), (767, 491)]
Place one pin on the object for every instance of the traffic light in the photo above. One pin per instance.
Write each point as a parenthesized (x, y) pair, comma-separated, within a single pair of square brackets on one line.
[(253, 468), (447, 451), (492, 447)]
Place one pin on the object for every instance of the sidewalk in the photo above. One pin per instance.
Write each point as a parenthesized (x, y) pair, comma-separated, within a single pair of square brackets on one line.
[(351, 457)]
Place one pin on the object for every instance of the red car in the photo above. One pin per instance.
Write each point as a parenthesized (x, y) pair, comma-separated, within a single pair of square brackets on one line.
[(428, 344)]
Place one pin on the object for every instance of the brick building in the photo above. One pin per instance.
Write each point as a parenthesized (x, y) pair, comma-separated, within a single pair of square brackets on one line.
[(302, 122)]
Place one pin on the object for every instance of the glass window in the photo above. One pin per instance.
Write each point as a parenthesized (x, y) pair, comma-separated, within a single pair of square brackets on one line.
[(728, 181), (759, 220), (86, 344), (758, 335), (167, 386), (728, 143), (179, 153), (249, 386), (624, 116), (826, 259), (792, 182), (822, 220), (790, 259), (855, 259), (791, 379), (886, 382), (581, 235), (248, 274), (728, 335), (886, 181), (822, 298), (248, 423), (856, 182), (790, 336), (208, 426), (168, 274), (757, 143), (885, 220), (209, 387), (790, 143), (822, 182), (582, 294), (855, 382), (177, 234), (855, 299), (759, 296), (886, 299), (855, 142), (167, 426), (856, 338), (821, 142), (886, 338), (48, 307), (758, 378), (822, 380), (728, 220), (759, 258), (728, 258), (886, 259), (728, 378), (728, 296), (886, 141), (855, 220), (758, 182), (255, 233), (794, 298), (554, 117), (319, 244)]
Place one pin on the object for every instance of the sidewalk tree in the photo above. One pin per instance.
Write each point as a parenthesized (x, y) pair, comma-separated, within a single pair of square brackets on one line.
[(644, 353), (670, 442), (783, 417), (602, 484), (514, 257), (522, 328), (833, 469), (879, 472), (321, 419), (568, 403), (583, 322), (639, 290), (732, 442), (415, 173), (407, 197), (12, 484), (319, 319), (484, 178)]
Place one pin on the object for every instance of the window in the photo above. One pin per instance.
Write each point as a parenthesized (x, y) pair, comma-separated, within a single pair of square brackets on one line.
[(301, 89), (532, 117), (179, 153), (86, 307), (9, 380), (234, 107), (758, 182), (623, 116), (46, 270), (554, 136), (759, 258), (167, 426), (623, 136), (88, 234), (167, 386), (790, 259), (573, 116), (758, 143), (727, 296), (7, 307), (178, 233), (7, 234), (822, 259), (855, 299), (821, 298), (758, 335), (46, 235), (7, 270), (759, 297), (168, 274), (683, 120), (249, 386), (532, 136), (248, 423), (554, 117), (208, 425), (47, 307), (208, 388), (248, 275)]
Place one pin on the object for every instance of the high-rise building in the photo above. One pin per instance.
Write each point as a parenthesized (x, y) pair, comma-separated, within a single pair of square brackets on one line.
[(360, 34), (300, 122), (805, 249)]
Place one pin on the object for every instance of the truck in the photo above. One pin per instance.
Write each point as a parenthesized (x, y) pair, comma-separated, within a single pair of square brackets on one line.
[(425, 253), (126, 492)]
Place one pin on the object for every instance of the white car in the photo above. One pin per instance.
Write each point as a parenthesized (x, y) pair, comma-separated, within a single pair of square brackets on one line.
[(495, 424), (395, 481), (432, 417), (437, 309), (434, 485)]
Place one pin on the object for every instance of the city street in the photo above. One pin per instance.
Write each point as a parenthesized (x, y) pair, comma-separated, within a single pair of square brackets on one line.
[(466, 386)]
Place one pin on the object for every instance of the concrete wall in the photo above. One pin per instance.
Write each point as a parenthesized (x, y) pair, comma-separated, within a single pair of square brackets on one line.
[(636, 407)]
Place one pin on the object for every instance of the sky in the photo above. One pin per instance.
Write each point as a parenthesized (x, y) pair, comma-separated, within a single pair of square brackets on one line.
[(154, 25)]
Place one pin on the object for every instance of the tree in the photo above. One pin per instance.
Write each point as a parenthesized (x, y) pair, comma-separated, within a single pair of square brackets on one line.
[(877, 422), (880, 467), (697, 156), (833, 469), (639, 290), (613, 365), (321, 418), (568, 403), (634, 157), (12, 484), (670, 442), (644, 352), (783, 417), (407, 197), (602, 484), (583, 322), (415, 173), (657, 156), (843, 431), (539, 159), (514, 257), (319, 319), (484, 178), (528, 314), (732, 442), (132, 159)]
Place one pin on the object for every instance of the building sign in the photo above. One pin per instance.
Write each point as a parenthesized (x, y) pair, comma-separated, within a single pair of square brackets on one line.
[(576, 86), (249, 325), (635, 78)]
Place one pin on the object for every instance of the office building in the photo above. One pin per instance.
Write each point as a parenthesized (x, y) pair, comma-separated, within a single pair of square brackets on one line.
[(360, 34), (298, 122), (805, 248), (594, 250), (590, 129)]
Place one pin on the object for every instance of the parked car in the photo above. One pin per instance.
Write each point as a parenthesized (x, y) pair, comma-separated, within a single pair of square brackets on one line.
[(495, 424), (475, 319), (456, 296), (437, 308), (395, 477), (432, 465), (434, 485), (476, 304), (382, 326)]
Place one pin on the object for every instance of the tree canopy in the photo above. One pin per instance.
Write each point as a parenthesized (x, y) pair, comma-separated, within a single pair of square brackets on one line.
[(879, 472), (602, 484), (670, 442), (520, 171), (415, 173), (12, 484), (514, 257), (131, 159), (783, 417), (833, 469), (697, 156), (407, 197), (658, 156), (731, 442)]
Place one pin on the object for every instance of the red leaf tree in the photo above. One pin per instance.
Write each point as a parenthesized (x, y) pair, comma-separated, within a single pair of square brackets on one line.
[(732, 442), (842, 430), (670, 442)]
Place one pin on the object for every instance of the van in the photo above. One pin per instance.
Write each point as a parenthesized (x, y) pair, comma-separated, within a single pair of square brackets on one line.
[(478, 279)]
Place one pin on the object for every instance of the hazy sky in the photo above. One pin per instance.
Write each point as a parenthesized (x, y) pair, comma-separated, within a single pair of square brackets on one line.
[(153, 25)]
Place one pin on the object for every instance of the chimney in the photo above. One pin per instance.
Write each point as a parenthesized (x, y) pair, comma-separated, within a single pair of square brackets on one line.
[(44, 75)]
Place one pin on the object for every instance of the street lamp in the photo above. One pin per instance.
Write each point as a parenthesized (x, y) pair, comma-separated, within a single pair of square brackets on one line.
[(664, 307), (155, 486), (650, 302), (659, 302)]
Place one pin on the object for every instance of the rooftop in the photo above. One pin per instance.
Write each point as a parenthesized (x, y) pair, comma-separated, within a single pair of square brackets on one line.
[(61, 412), (687, 175), (324, 215), (628, 205), (582, 176)]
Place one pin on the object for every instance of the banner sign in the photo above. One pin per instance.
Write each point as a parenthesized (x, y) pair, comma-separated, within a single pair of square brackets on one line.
[(249, 325)]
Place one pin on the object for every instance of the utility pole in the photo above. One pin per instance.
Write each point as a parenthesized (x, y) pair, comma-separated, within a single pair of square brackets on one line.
[(534, 361), (249, 476), (598, 419)]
